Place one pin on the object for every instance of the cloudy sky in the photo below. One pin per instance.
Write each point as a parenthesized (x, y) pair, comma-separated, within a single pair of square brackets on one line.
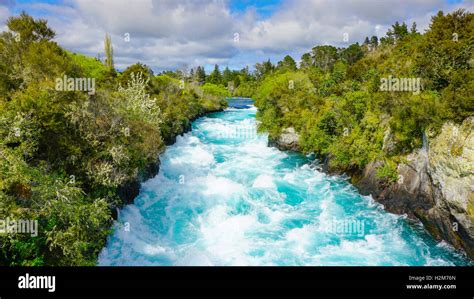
[(171, 34)]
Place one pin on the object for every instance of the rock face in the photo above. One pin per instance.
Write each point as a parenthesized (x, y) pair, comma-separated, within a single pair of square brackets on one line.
[(288, 140), (435, 185), (451, 168)]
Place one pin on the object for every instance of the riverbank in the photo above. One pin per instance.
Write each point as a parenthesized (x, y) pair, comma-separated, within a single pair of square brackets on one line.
[(129, 190), (433, 186), (412, 151), (223, 197), (71, 159)]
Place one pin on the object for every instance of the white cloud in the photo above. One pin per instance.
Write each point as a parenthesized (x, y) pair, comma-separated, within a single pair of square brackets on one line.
[(163, 34), (169, 33), (304, 23), (4, 14), (186, 19)]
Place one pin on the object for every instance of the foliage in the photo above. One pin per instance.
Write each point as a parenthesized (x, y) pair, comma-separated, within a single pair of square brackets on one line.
[(127, 74), (352, 54), (92, 67), (246, 89), (338, 109), (138, 101), (64, 155), (215, 77), (388, 171), (215, 90), (324, 57), (288, 63), (109, 53)]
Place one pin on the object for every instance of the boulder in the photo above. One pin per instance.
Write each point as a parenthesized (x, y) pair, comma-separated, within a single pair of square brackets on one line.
[(287, 140)]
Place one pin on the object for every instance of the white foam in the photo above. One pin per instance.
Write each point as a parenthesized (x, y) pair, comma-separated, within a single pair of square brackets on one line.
[(153, 249), (264, 181), (227, 210), (225, 235), (221, 186), (194, 155)]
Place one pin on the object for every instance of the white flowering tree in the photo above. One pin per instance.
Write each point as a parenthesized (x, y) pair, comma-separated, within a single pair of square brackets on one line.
[(138, 101)]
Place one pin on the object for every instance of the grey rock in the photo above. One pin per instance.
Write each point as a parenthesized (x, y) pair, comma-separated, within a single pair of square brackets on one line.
[(288, 140), (435, 185)]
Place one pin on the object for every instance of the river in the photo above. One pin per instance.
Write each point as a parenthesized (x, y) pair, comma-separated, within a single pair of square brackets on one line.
[(223, 197)]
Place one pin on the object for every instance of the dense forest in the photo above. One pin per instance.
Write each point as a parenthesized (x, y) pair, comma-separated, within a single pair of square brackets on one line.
[(65, 155), (335, 100)]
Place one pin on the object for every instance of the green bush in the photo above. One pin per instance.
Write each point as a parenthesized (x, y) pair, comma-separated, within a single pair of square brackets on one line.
[(65, 154), (215, 90), (388, 171), (336, 104)]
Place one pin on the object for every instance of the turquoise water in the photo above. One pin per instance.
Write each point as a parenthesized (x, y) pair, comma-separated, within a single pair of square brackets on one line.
[(223, 197)]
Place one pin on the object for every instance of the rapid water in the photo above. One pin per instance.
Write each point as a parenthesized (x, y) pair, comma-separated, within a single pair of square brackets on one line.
[(223, 197)]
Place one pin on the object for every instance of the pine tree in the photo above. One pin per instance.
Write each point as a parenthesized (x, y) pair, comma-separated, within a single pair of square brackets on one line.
[(215, 77), (227, 75), (200, 75), (413, 29), (374, 41), (287, 63)]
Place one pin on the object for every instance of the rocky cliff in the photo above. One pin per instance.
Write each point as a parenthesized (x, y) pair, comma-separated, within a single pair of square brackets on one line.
[(435, 184)]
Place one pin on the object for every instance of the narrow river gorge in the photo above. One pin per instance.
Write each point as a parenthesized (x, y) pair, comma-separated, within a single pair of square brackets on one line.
[(223, 197)]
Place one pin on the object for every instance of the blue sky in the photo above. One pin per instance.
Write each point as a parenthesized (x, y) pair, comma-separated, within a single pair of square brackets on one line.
[(171, 34), (264, 8)]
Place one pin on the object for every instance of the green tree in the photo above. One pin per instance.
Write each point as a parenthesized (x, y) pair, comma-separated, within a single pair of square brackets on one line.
[(29, 30), (20, 50), (215, 77), (413, 29), (136, 68), (374, 41), (306, 61), (109, 53), (324, 57), (244, 75), (352, 53), (397, 32), (227, 75), (288, 63), (200, 75), (264, 68), (447, 48)]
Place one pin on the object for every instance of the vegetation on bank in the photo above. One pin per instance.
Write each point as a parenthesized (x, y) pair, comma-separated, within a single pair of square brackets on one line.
[(335, 100), (64, 154)]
